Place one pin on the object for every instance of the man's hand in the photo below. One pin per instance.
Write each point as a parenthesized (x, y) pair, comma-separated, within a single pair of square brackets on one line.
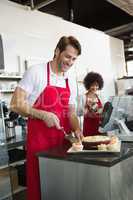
[(79, 135), (51, 119)]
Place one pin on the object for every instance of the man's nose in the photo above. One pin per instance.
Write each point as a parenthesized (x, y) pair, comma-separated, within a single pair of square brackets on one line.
[(70, 62)]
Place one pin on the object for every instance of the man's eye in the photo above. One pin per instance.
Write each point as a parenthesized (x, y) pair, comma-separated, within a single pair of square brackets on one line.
[(68, 57)]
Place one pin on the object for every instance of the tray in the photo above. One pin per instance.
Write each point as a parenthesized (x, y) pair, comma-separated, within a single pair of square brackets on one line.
[(94, 152)]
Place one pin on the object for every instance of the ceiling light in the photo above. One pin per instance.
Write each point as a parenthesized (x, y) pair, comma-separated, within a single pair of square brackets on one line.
[(130, 49), (126, 5), (40, 5)]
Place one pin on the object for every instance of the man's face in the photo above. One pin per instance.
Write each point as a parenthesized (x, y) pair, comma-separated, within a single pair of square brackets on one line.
[(66, 58)]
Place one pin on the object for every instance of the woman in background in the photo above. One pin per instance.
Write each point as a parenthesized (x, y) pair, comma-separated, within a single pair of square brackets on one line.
[(93, 107)]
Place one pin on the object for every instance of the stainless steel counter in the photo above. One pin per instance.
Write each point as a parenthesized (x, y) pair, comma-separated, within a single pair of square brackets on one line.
[(76, 178)]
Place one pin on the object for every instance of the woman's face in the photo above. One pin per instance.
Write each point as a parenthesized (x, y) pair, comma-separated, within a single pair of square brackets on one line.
[(94, 87)]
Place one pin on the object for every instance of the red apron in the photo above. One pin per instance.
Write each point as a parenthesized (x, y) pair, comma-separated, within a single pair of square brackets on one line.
[(40, 137), (91, 122)]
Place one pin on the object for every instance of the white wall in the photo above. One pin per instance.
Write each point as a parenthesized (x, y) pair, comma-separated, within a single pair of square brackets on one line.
[(117, 56), (33, 34)]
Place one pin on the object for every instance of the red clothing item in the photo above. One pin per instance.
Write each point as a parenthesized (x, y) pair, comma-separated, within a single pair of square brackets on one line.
[(91, 121), (40, 137)]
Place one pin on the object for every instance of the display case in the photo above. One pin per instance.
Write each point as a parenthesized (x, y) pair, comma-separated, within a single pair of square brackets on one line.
[(12, 157), (5, 182)]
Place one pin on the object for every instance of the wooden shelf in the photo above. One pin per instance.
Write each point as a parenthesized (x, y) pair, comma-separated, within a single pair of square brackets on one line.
[(9, 178), (19, 189), (10, 77), (6, 91), (9, 195)]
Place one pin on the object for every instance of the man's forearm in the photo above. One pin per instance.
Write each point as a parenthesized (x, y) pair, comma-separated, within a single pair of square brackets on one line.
[(28, 111), (20, 105), (49, 118)]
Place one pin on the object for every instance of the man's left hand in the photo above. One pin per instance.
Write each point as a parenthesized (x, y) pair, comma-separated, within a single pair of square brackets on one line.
[(79, 134)]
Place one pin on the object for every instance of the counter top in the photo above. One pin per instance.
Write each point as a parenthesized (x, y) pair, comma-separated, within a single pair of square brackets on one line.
[(8, 145), (18, 140), (101, 159)]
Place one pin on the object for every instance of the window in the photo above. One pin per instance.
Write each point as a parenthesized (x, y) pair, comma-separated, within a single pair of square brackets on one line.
[(130, 68)]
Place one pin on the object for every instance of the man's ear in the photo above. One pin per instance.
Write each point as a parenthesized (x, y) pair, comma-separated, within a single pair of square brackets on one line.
[(57, 51)]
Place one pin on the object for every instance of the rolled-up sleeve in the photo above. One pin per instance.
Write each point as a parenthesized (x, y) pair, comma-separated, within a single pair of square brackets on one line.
[(28, 81)]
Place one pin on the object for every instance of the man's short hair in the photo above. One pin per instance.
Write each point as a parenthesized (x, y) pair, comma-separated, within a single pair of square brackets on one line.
[(70, 40)]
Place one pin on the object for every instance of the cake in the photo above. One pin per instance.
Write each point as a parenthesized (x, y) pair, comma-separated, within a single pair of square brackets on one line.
[(114, 145)]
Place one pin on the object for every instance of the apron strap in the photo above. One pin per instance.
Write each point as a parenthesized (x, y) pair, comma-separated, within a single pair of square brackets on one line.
[(48, 74), (67, 85)]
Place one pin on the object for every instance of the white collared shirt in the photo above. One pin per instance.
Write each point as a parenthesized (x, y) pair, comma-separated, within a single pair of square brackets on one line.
[(35, 80)]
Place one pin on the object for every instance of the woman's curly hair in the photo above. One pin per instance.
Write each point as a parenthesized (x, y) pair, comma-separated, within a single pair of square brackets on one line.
[(91, 78)]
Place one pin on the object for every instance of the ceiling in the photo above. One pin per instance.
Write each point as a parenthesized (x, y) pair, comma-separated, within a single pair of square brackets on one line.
[(114, 17)]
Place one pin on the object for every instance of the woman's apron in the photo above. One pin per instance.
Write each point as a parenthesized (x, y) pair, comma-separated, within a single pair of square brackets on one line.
[(40, 137), (91, 122)]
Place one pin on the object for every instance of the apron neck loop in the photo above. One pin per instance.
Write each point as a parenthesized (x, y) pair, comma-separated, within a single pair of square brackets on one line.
[(67, 85), (48, 76)]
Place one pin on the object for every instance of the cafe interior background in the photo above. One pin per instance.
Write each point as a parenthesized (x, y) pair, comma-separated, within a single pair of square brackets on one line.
[(29, 31)]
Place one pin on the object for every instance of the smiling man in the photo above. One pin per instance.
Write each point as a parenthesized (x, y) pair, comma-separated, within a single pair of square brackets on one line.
[(46, 95)]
